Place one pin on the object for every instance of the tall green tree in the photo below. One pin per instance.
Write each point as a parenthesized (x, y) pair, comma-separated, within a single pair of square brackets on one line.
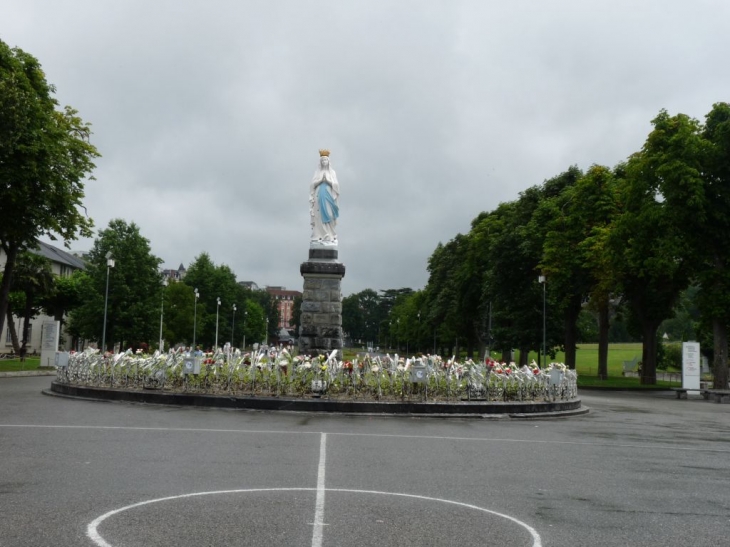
[(133, 311), (651, 250), (271, 313), (689, 165), (254, 323), (575, 260), (363, 316), (214, 282), (179, 301), (714, 238), (45, 157), (67, 294)]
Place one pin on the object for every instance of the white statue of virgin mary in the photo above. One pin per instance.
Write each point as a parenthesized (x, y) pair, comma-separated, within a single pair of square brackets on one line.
[(323, 209)]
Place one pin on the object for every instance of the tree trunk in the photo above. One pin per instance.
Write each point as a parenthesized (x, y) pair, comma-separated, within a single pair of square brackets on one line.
[(571, 331), (13, 332), (11, 253), (524, 355), (720, 365), (506, 356), (482, 350), (26, 318), (603, 327), (648, 354)]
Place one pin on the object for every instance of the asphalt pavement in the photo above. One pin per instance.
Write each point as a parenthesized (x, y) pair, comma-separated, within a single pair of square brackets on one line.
[(640, 469)]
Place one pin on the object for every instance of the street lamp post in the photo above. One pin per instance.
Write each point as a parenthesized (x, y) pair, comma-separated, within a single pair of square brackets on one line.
[(541, 279), (217, 308), (162, 311), (109, 265), (418, 334), (245, 315), (195, 317), (233, 325), (266, 340)]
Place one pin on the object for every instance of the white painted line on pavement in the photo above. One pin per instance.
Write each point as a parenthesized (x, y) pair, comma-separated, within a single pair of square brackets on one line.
[(319, 503), (92, 530)]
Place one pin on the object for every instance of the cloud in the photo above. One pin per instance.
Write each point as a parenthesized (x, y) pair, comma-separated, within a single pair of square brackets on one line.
[(209, 115)]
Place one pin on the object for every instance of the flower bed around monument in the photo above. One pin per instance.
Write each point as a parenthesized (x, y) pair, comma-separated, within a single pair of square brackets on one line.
[(382, 378)]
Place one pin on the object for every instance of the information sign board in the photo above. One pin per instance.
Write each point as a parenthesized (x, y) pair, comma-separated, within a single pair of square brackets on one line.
[(691, 365)]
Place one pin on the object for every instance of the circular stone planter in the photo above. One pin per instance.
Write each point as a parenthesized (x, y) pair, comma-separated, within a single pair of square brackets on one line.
[(527, 409)]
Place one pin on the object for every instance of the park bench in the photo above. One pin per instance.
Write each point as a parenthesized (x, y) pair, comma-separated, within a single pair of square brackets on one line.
[(717, 395), (682, 392), (631, 366)]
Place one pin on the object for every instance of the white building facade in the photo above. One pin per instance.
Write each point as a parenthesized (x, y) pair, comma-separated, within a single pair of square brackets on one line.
[(63, 264)]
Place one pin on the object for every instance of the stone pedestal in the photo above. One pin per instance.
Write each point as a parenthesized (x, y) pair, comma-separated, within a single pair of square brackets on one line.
[(320, 329)]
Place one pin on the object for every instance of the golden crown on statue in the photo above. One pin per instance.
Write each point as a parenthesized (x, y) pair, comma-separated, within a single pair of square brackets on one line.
[(324, 152)]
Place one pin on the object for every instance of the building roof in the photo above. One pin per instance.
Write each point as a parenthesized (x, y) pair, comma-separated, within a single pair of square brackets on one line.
[(54, 254)]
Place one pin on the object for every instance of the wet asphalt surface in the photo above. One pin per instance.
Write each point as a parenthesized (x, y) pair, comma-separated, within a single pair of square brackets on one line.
[(641, 469)]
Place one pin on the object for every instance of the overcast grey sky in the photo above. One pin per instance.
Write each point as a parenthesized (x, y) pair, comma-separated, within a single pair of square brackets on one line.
[(209, 114)]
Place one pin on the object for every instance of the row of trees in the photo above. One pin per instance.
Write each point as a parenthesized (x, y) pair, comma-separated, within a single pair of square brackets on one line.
[(140, 303), (634, 237)]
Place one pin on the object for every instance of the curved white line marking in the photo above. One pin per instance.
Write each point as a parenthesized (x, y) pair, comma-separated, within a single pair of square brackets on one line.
[(93, 533)]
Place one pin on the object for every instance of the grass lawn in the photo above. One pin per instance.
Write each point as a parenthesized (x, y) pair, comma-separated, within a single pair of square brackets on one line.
[(9, 365)]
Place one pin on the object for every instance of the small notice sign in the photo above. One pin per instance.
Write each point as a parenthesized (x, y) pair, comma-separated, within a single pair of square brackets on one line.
[(49, 343), (691, 361)]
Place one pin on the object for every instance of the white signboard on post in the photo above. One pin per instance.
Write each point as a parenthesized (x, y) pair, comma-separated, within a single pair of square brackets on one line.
[(691, 365), (49, 343)]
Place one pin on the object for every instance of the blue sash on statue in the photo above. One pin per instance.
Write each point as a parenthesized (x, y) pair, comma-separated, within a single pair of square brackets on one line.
[(327, 204)]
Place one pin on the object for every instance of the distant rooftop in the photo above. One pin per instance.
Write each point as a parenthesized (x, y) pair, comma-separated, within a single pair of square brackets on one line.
[(58, 255)]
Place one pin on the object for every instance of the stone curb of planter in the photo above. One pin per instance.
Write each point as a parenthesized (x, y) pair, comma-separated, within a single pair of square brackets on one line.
[(455, 409)]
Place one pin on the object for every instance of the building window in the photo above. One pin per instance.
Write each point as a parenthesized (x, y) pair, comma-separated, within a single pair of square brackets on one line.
[(19, 331)]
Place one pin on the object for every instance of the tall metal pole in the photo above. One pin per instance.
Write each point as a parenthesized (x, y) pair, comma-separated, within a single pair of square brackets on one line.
[(162, 311), (217, 308), (489, 331), (195, 317), (233, 326), (109, 265), (542, 279), (243, 346)]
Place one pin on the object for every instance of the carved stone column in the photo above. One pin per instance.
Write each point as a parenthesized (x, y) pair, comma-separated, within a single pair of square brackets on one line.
[(320, 325)]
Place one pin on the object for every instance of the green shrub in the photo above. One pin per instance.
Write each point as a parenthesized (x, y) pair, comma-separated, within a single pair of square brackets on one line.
[(670, 357)]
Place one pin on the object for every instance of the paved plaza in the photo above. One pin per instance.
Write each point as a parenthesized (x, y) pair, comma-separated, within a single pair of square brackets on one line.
[(640, 469)]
